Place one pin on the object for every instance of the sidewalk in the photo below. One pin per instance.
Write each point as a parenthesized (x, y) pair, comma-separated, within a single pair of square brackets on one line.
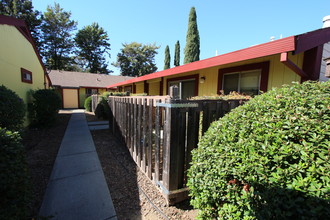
[(77, 188)]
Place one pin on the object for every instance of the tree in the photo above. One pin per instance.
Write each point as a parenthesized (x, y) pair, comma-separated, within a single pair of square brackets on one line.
[(57, 41), (92, 43), (167, 61), (191, 51), (136, 59), (23, 9), (177, 54)]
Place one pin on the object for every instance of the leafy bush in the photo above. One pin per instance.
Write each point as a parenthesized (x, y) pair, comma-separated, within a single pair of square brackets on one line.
[(267, 159), (119, 94), (12, 109), (14, 179), (230, 96), (44, 108), (88, 104), (102, 109), (138, 94)]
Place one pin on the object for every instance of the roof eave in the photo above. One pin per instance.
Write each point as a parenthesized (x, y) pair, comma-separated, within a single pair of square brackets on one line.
[(266, 49)]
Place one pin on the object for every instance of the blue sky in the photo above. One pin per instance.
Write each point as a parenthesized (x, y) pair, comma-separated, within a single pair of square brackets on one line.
[(224, 26)]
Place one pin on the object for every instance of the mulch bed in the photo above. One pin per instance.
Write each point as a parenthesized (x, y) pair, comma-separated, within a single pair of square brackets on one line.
[(133, 195), (41, 147)]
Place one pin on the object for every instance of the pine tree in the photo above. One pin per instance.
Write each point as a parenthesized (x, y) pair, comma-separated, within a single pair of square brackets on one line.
[(191, 51), (136, 59), (177, 54), (167, 61), (58, 43), (93, 46)]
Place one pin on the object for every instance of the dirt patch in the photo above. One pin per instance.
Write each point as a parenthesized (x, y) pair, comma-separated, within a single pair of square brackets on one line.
[(133, 194), (41, 148)]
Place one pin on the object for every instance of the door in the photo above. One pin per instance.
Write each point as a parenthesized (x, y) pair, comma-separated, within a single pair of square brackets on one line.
[(70, 98)]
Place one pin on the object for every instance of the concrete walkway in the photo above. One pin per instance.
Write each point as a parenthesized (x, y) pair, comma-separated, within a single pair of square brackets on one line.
[(77, 188)]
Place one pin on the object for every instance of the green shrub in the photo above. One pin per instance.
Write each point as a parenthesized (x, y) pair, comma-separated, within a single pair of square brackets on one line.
[(44, 108), (102, 109), (230, 96), (267, 159), (88, 104), (12, 109), (138, 94), (14, 179), (106, 94), (119, 93)]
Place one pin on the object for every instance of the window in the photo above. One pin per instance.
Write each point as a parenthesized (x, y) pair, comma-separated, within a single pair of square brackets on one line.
[(90, 91), (188, 86), (243, 82), (26, 76), (128, 89), (249, 79)]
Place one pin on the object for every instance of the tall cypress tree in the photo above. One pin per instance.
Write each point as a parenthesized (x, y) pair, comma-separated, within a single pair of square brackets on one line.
[(167, 60), (177, 54), (191, 51)]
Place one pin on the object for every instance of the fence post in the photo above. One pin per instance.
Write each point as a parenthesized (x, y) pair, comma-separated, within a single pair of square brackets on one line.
[(174, 152)]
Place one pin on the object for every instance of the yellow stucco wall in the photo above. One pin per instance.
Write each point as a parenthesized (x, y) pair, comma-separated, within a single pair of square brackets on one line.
[(101, 91), (279, 74), (154, 88), (82, 95), (70, 98), (139, 88), (16, 52)]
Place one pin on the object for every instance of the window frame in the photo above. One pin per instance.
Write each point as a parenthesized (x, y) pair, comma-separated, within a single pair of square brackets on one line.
[(128, 89), (264, 66), (23, 78), (239, 78), (181, 79)]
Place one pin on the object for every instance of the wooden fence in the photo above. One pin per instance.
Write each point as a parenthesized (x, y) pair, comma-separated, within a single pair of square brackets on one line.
[(95, 102), (160, 134)]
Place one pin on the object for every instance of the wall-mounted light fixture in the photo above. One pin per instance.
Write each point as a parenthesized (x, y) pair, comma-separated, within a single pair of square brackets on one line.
[(202, 80)]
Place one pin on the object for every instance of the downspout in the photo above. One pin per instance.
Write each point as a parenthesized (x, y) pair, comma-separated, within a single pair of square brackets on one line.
[(285, 60)]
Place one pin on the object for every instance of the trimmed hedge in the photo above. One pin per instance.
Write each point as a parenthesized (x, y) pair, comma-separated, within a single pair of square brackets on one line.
[(102, 109), (267, 159), (12, 109), (88, 104), (15, 188), (44, 108)]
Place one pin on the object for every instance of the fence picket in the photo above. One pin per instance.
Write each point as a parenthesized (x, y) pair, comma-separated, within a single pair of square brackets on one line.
[(157, 142), (149, 138)]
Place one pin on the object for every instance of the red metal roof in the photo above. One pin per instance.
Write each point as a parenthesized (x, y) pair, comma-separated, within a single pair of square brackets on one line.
[(274, 47)]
